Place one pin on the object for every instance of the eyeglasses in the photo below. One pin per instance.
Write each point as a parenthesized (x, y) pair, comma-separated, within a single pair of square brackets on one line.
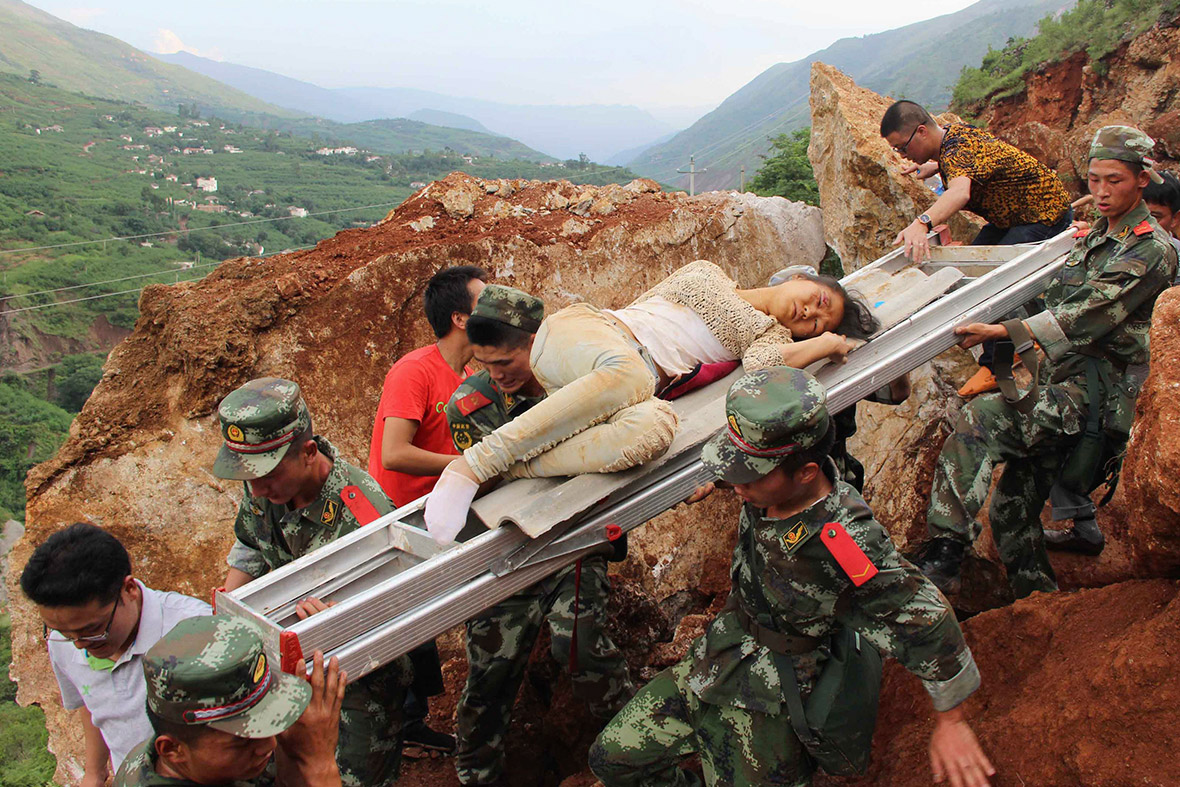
[(53, 635), (901, 149)]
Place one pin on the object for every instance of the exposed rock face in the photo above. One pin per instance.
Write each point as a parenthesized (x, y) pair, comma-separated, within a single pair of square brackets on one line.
[(335, 318), (1064, 103), (1152, 466), (865, 199), (1077, 689)]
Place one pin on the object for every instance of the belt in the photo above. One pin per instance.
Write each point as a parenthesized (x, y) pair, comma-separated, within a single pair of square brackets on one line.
[(783, 644), (662, 379)]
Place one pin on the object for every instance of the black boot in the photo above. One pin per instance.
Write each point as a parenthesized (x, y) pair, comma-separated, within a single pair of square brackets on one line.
[(1084, 538), (941, 560)]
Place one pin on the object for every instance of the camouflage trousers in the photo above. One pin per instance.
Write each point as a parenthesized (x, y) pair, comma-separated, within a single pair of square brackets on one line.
[(499, 643), (642, 746), (369, 752), (1032, 447)]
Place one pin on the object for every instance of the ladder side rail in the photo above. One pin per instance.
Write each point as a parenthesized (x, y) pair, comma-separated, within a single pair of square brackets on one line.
[(398, 594), (426, 621), (293, 582)]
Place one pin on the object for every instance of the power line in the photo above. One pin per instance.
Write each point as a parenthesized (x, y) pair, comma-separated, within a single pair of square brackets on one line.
[(164, 272), (122, 292), (194, 229)]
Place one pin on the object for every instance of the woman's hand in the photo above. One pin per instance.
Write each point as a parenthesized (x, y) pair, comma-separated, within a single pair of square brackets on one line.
[(837, 347)]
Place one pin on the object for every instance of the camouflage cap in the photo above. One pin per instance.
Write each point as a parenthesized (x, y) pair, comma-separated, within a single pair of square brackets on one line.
[(772, 414), (510, 306), (213, 670), (259, 421), (1125, 143)]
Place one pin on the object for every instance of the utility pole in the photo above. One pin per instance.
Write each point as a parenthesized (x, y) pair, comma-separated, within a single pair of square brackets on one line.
[(692, 175), (743, 180)]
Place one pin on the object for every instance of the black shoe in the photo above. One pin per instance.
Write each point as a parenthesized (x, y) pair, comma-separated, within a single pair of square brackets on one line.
[(941, 560), (419, 736), (1072, 540)]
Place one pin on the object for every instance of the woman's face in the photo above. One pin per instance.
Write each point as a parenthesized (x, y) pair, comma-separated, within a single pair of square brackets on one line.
[(806, 307)]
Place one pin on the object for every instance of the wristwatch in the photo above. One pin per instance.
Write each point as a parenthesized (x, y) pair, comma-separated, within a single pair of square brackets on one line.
[(925, 219)]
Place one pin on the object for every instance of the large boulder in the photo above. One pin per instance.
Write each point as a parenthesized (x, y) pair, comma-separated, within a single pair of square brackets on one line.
[(334, 318), (1078, 688), (1152, 467), (865, 198)]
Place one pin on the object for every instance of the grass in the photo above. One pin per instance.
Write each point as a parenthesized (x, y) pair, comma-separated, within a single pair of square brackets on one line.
[(25, 760)]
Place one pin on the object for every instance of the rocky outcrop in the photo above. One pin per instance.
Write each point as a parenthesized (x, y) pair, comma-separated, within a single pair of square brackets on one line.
[(1064, 103), (334, 318), (865, 199), (1077, 689), (1152, 465)]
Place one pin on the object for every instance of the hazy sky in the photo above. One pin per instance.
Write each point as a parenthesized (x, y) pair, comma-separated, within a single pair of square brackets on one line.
[(650, 53)]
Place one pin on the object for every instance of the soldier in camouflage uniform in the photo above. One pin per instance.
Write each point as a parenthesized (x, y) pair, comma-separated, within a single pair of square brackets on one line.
[(500, 639), (299, 496), (218, 708), (1094, 333), (810, 562)]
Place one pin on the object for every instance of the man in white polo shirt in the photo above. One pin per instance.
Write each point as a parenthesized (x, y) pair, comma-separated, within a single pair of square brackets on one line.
[(98, 622)]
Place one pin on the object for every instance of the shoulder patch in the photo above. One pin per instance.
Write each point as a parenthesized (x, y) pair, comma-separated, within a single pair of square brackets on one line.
[(461, 434), (852, 559), (472, 402), (1144, 228), (358, 505)]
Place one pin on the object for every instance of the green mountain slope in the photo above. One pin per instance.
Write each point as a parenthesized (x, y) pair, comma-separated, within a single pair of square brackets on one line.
[(919, 61), (95, 64), (75, 169), (99, 65)]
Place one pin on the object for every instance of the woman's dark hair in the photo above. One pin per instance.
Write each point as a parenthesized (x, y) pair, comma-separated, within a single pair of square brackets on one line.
[(447, 293), (816, 453), (487, 332), (75, 566), (858, 321)]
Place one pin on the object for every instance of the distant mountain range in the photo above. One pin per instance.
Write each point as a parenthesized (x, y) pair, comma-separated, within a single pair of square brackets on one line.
[(919, 61), (600, 131), (87, 62)]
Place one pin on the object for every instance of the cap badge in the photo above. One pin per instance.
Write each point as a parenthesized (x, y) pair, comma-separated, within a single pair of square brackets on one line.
[(234, 433), (260, 667)]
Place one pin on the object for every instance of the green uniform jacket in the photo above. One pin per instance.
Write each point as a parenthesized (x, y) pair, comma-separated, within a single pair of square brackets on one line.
[(808, 593), (139, 770), (478, 408), (270, 535), (1102, 299)]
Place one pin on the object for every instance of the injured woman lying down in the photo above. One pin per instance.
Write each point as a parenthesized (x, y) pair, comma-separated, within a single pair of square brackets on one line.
[(601, 371)]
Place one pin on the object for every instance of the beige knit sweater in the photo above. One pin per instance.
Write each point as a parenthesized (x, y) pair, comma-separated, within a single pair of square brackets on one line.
[(749, 334)]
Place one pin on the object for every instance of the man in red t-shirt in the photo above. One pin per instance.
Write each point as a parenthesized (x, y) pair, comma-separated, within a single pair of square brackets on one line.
[(412, 445), (411, 441)]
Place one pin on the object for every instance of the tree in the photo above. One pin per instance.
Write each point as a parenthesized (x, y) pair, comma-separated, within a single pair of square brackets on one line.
[(786, 171), (34, 76), (76, 379)]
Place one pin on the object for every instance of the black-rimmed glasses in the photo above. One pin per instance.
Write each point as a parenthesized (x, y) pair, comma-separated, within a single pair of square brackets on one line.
[(53, 635), (901, 149)]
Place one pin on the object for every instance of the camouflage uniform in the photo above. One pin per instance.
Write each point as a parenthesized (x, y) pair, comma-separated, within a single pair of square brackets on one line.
[(1097, 310), (500, 639), (725, 700), (214, 667), (269, 536)]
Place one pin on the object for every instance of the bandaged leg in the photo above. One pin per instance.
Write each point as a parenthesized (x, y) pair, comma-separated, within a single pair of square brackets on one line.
[(630, 437)]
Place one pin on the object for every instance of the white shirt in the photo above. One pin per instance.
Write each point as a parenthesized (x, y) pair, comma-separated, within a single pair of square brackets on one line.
[(675, 335), (117, 698)]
